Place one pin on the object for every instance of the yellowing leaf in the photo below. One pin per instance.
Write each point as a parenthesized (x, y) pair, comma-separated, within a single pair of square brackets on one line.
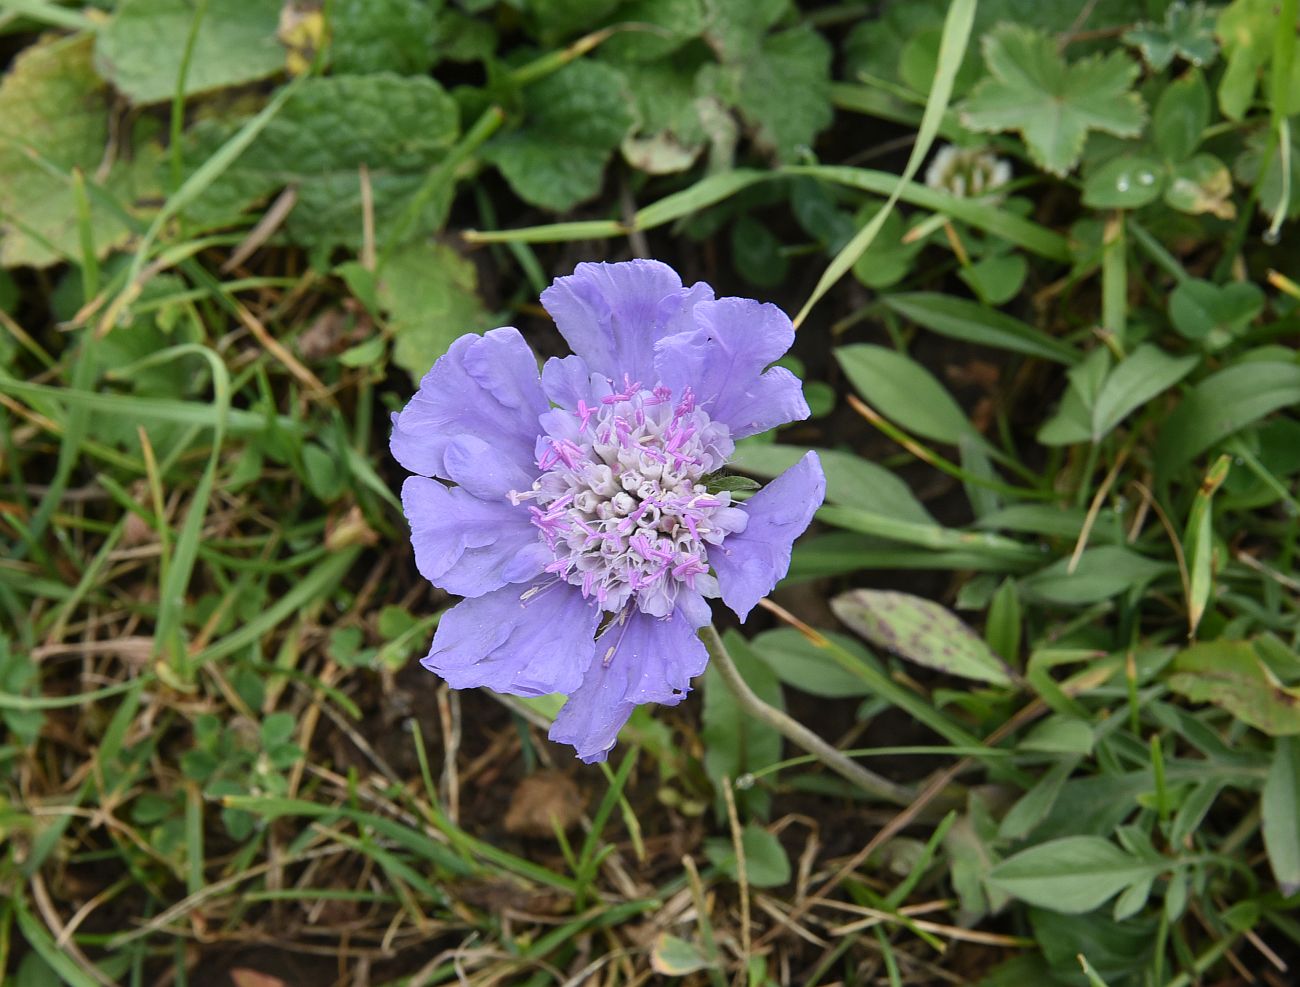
[(54, 118)]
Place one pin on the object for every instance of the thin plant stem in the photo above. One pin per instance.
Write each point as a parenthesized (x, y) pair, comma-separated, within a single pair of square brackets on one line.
[(795, 732)]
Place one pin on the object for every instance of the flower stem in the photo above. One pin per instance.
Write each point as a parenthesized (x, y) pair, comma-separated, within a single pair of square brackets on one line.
[(796, 732)]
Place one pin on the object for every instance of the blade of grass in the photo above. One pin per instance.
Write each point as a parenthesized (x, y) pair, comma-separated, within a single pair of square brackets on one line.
[(952, 49)]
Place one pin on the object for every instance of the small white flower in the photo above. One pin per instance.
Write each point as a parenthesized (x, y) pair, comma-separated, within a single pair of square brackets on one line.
[(967, 172)]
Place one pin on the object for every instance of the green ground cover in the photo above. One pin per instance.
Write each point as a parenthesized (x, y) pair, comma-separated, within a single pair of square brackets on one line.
[(1043, 264)]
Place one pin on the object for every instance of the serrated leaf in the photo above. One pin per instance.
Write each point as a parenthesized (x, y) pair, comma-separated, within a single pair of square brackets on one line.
[(573, 121), (1232, 674), (656, 29), (399, 128), (141, 48), (785, 90), (430, 294), (54, 117), (1186, 32), (1072, 875), (383, 35), (1051, 103), (922, 631)]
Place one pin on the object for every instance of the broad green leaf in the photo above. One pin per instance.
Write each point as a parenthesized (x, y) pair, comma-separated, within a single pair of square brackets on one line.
[(1224, 403), (1203, 184), (1187, 32), (1126, 182), (141, 47), (1246, 29), (1231, 674), (1144, 374), (1205, 312), (756, 253), (735, 742), (657, 28), (674, 957), (430, 294), (1073, 419), (1275, 168), (668, 134), (1182, 113), (1102, 572), (975, 323), (1280, 815), (54, 117), (798, 662), (888, 259), (1051, 103), (382, 36), (766, 863), (996, 279), (850, 480), (784, 90), (922, 631), (399, 128), (573, 120), (1029, 810), (1071, 875), (905, 392)]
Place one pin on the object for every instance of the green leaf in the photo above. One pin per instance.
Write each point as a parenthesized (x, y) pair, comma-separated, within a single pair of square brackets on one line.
[(850, 480), (922, 631), (383, 35), (1224, 403), (784, 90), (1203, 184), (1102, 572), (430, 294), (905, 392), (756, 253), (1280, 814), (1187, 32), (800, 663), (673, 957), (1213, 314), (141, 47), (734, 742), (1126, 182), (1247, 29), (1073, 419), (1072, 875), (1232, 674), (766, 863), (399, 128), (974, 323), (1182, 113), (1051, 103), (996, 279), (54, 117), (573, 121), (727, 483), (1275, 168), (887, 259), (1144, 374), (656, 29)]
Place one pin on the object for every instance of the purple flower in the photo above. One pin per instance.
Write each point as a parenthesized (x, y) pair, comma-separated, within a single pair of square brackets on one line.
[(580, 528)]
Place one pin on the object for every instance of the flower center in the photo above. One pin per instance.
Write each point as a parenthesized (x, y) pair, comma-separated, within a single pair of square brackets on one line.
[(621, 501)]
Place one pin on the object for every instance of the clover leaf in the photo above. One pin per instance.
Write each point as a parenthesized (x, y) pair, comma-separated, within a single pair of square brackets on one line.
[(1052, 103)]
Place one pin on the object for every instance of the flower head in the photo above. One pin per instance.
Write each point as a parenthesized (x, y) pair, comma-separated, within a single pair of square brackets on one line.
[(966, 172), (572, 509)]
